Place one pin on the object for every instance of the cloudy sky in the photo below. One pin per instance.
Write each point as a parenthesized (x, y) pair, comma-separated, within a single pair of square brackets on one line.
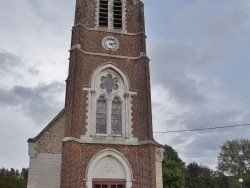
[(199, 51)]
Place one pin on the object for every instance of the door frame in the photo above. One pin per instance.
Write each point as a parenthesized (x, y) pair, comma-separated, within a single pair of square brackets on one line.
[(109, 182)]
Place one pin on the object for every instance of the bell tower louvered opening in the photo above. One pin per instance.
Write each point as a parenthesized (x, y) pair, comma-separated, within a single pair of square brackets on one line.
[(117, 21), (103, 13), (111, 14)]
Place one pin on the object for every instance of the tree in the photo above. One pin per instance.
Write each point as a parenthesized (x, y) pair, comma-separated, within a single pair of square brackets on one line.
[(234, 158), (221, 181), (171, 154), (172, 169), (24, 176), (13, 178), (173, 176), (198, 176)]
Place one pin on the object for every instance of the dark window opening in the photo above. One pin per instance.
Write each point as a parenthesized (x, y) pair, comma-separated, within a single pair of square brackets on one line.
[(108, 186), (116, 186), (103, 13), (100, 186), (117, 14)]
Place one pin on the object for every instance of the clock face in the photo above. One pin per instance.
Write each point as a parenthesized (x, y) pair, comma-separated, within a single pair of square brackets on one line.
[(110, 43)]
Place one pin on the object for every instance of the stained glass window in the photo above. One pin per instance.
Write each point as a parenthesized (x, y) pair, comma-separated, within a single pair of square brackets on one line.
[(101, 116), (116, 117)]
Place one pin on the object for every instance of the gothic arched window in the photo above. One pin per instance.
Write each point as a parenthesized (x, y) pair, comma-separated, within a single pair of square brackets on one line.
[(101, 116), (109, 106)]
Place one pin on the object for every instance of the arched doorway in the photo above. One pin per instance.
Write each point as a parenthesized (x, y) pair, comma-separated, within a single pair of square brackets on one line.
[(109, 169)]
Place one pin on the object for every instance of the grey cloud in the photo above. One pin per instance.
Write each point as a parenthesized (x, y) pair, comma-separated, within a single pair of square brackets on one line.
[(206, 144), (204, 45), (202, 118), (171, 68), (12, 65), (39, 103), (33, 71), (47, 10), (203, 146), (8, 98), (8, 62), (205, 118), (222, 30)]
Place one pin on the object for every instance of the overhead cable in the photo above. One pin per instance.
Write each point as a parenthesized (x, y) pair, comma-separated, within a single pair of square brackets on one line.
[(202, 129)]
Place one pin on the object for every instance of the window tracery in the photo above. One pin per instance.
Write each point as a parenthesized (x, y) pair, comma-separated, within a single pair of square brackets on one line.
[(109, 83), (109, 105), (110, 108)]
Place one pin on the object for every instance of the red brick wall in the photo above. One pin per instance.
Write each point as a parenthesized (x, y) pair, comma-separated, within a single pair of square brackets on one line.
[(91, 41), (81, 69), (76, 156), (140, 158)]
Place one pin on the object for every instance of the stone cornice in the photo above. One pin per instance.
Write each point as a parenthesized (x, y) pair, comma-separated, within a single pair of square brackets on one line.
[(109, 142), (108, 31), (78, 47)]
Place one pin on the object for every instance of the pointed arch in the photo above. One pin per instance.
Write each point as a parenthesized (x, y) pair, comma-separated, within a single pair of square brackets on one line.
[(110, 81), (101, 68)]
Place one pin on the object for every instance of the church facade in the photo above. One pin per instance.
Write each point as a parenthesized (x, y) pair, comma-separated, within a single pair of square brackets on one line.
[(103, 137)]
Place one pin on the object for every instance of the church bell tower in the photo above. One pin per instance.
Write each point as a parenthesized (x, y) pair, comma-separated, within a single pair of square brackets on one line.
[(108, 141), (103, 138)]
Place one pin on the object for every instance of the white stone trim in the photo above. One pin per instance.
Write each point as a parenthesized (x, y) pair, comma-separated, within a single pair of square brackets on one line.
[(77, 46), (116, 155), (32, 149), (158, 166), (109, 65), (108, 31), (142, 54), (137, 1), (104, 140), (124, 95)]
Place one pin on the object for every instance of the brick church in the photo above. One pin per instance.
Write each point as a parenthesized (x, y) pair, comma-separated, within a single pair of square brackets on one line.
[(103, 137)]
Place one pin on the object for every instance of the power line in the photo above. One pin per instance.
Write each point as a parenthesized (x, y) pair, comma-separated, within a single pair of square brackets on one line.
[(203, 129)]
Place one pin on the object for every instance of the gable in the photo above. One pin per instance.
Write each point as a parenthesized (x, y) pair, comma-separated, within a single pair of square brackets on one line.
[(49, 139)]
